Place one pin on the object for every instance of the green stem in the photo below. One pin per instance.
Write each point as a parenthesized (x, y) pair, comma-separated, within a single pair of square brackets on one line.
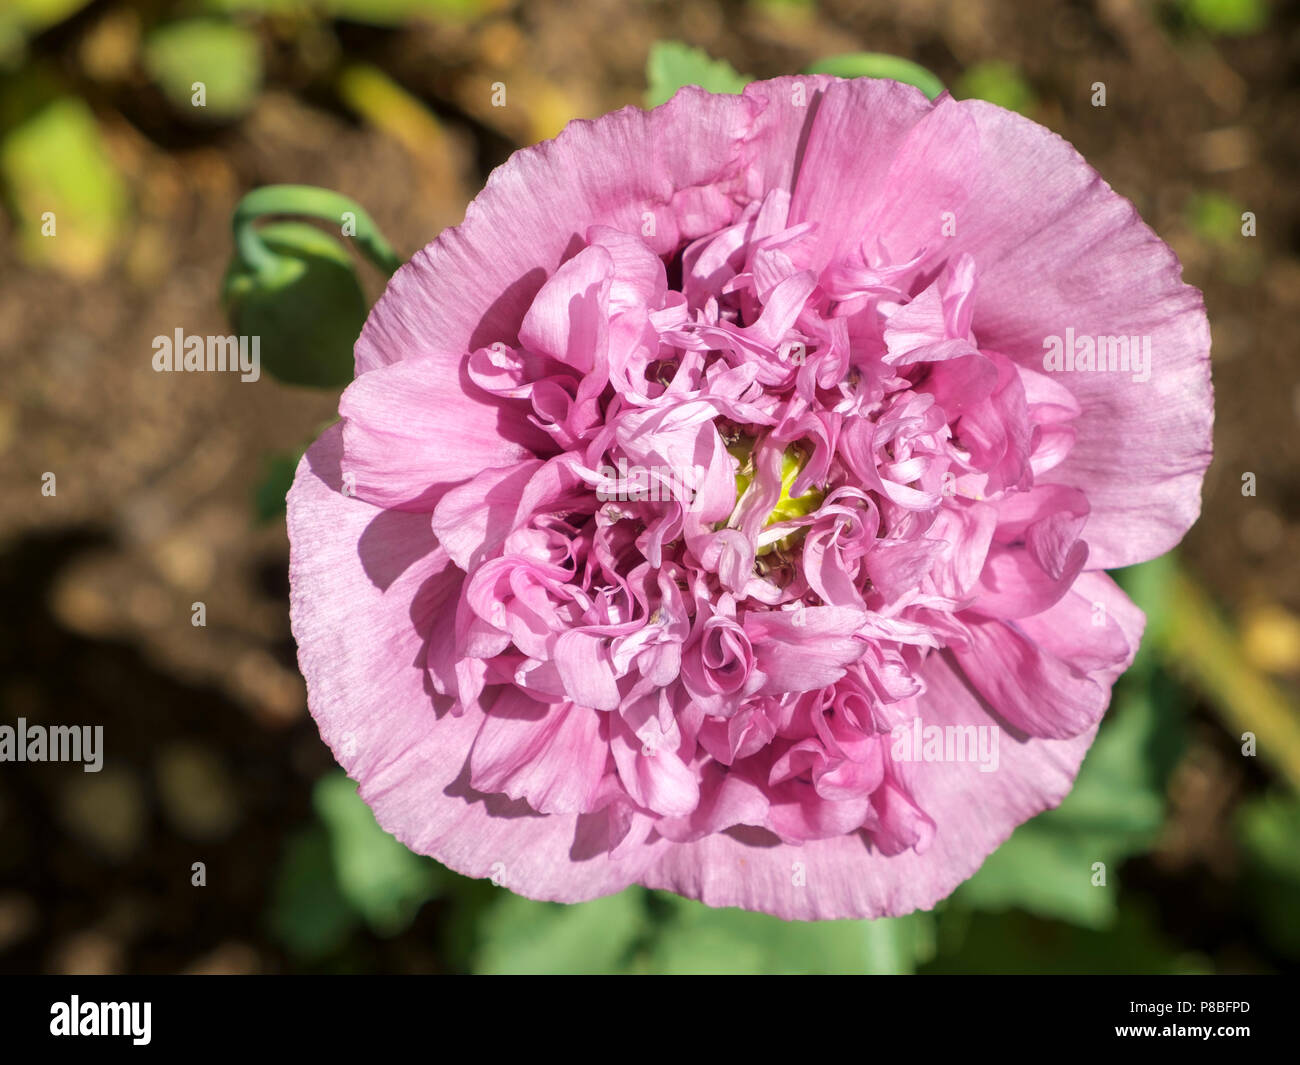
[(305, 201)]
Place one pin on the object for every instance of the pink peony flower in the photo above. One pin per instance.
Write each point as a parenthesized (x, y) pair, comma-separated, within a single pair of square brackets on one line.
[(723, 507)]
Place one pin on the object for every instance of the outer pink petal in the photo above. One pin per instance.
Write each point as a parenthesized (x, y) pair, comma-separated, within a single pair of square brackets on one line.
[(973, 813), (358, 613), (882, 164), (414, 429), (1050, 675), (678, 166), (1055, 248), (783, 111)]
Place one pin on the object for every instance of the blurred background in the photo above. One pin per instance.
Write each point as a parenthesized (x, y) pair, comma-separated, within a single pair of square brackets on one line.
[(170, 486)]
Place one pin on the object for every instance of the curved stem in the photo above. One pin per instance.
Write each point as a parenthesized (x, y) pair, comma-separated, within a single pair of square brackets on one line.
[(306, 201)]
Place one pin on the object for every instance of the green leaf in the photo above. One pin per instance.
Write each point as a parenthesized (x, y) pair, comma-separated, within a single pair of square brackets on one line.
[(396, 12), (1268, 829), (23, 19), (369, 12), (277, 479), (225, 57), (1216, 218), (40, 14), (1045, 872), (377, 875), (672, 64), (1150, 586), (1229, 18), (308, 912), (999, 83), (700, 939), (69, 199), (1115, 809), (520, 936), (879, 65), (259, 7), (895, 945), (988, 943)]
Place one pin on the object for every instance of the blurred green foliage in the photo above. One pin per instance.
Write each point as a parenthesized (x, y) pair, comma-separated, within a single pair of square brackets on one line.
[(638, 931), (221, 56), (69, 201), (697, 939), (346, 871), (879, 65), (1215, 217), (308, 913), (274, 484), (1115, 810), (379, 878), (999, 83), (1228, 18), (977, 942), (23, 19), (521, 936), (1269, 830), (672, 65), (373, 12)]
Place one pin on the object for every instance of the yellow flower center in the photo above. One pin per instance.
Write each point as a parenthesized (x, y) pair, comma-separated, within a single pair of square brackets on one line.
[(787, 507)]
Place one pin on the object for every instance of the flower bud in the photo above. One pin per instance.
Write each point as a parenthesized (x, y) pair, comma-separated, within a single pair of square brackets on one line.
[(304, 301)]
